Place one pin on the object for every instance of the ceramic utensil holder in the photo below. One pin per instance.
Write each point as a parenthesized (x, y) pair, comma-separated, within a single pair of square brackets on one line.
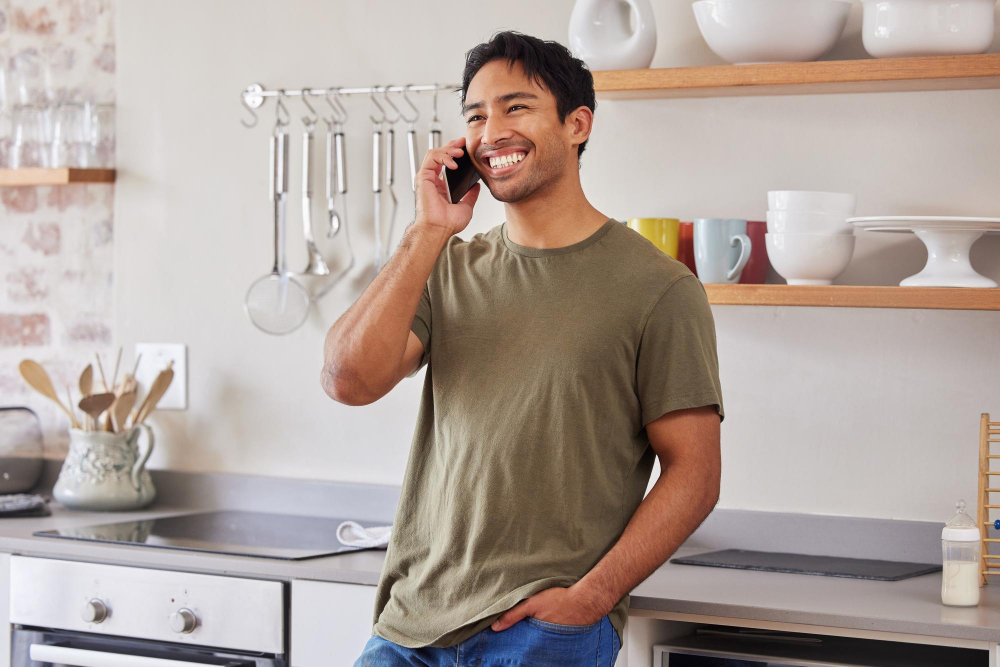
[(105, 472)]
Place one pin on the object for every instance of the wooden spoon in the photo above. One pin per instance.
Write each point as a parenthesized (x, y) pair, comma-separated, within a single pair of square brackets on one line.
[(38, 379), (86, 384), (95, 404), (160, 385), (86, 381), (120, 410)]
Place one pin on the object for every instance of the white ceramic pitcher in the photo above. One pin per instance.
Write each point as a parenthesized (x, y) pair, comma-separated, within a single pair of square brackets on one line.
[(601, 35), (104, 471)]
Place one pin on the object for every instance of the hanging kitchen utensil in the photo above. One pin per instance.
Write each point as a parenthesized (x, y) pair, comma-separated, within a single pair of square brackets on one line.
[(336, 168), (390, 175), (316, 265), (434, 135), (277, 303), (36, 377), (377, 180), (411, 141), (377, 191)]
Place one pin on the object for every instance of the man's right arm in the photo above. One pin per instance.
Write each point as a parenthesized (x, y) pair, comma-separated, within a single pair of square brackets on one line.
[(370, 348)]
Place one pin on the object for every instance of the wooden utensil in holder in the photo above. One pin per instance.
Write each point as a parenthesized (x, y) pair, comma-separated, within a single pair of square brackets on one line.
[(989, 433)]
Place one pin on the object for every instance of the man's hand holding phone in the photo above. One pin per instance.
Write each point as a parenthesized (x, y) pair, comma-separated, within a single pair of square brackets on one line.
[(433, 203)]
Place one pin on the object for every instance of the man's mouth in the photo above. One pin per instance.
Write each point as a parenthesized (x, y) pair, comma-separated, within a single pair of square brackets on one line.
[(499, 165)]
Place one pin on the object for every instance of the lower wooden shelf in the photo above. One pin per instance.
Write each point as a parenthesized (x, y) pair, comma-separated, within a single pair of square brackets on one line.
[(852, 296), (56, 176)]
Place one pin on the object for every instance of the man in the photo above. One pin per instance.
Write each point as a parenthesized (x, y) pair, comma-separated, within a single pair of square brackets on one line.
[(564, 352)]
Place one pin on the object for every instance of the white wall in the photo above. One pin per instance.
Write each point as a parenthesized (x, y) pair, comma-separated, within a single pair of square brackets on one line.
[(862, 412)]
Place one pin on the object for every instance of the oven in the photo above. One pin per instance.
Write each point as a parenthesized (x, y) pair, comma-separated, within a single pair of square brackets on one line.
[(95, 615)]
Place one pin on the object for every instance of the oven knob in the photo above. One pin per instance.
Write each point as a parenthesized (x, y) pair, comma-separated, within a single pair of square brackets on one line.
[(94, 611), (183, 621)]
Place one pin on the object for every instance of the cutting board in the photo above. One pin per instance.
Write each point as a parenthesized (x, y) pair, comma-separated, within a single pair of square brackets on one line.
[(826, 566)]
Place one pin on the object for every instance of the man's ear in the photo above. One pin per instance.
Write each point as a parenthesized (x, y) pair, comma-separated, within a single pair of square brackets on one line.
[(580, 123)]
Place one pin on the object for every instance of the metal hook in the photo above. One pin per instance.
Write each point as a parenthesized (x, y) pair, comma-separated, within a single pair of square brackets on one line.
[(307, 120), (416, 111), (280, 109), (375, 102), (339, 112), (385, 95), (246, 105)]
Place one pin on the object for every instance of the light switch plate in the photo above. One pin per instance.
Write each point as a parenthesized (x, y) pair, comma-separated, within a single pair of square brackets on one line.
[(155, 357)]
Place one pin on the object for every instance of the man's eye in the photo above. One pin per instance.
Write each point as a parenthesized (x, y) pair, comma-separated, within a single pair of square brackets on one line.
[(517, 106), (472, 118)]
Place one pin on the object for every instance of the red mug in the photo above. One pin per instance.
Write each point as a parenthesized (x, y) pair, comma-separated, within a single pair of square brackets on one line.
[(685, 245), (755, 272)]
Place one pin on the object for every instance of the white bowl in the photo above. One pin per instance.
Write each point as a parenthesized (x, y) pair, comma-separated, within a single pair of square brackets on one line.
[(766, 31), (808, 200), (902, 28), (809, 259), (807, 222)]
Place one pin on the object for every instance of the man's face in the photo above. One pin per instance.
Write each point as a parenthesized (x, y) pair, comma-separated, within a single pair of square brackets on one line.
[(514, 134)]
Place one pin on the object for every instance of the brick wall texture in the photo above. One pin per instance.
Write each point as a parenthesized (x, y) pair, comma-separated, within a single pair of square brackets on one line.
[(56, 242)]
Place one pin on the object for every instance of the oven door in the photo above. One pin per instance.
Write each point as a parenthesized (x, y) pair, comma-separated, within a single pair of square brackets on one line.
[(32, 647)]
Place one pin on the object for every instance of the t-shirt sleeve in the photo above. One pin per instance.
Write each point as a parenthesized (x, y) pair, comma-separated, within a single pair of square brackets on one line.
[(422, 328), (678, 365)]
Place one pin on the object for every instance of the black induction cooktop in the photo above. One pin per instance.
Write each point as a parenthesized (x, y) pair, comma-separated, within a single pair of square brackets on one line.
[(237, 533)]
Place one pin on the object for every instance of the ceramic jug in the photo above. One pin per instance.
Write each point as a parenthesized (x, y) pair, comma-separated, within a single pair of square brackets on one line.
[(601, 35), (104, 472)]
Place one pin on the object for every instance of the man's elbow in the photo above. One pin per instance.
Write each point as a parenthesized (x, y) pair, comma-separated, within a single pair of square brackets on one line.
[(713, 488), (345, 388)]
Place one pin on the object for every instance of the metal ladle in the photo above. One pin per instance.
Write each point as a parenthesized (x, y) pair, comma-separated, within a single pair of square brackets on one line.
[(276, 303)]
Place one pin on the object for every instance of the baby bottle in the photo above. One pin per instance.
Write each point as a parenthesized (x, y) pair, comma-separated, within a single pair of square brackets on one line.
[(960, 556)]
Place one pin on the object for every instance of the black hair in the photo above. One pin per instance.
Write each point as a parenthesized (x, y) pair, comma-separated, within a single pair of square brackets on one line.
[(545, 62)]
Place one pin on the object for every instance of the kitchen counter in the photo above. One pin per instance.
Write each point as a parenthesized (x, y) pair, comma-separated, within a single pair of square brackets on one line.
[(911, 606)]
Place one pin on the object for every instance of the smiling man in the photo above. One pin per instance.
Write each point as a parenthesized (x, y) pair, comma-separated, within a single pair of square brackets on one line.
[(564, 354)]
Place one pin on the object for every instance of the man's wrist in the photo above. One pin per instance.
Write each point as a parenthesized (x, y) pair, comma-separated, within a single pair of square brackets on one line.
[(433, 231), (595, 595)]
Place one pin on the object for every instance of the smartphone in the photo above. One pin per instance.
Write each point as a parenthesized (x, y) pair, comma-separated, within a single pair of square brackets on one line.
[(459, 181)]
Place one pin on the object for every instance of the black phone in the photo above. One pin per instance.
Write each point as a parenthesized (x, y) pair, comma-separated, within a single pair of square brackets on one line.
[(459, 181)]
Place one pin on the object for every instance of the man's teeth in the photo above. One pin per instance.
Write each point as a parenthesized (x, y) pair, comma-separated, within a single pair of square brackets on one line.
[(505, 160)]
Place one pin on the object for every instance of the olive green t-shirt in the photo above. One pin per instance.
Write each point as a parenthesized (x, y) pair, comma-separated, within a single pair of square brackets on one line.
[(530, 452)]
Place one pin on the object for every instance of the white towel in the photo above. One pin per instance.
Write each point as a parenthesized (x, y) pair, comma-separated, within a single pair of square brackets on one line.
[(353, 534)]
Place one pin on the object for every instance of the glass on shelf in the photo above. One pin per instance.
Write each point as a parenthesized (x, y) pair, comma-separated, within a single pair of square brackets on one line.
[(29, 147)]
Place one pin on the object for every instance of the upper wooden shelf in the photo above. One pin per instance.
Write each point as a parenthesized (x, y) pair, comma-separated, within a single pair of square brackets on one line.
[(827, 76), (58, 176), (851, 296)]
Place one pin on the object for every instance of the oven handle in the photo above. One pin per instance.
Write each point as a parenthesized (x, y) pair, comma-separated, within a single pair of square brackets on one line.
[(78, 657)]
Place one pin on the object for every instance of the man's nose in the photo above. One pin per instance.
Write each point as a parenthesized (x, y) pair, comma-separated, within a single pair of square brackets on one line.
[(496, 130)]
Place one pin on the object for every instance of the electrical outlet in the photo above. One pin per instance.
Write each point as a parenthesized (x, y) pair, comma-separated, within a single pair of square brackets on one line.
[(155, 357)]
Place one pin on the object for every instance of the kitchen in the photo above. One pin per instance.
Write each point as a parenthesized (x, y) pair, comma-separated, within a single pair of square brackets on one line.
[(850, 432)]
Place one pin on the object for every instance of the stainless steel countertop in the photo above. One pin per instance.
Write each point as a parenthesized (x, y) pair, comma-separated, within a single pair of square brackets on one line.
[(911, 606)]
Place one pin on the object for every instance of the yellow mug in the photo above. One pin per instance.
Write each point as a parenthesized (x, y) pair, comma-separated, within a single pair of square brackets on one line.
[(664, 233)]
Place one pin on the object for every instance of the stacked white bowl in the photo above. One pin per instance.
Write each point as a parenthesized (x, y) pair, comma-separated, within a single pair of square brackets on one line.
[(809, 240)]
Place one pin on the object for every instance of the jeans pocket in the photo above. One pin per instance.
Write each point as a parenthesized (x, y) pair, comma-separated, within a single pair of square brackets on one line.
[(559, 627)]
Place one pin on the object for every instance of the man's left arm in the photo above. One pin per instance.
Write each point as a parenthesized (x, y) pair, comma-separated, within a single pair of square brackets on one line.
[(687, 444)]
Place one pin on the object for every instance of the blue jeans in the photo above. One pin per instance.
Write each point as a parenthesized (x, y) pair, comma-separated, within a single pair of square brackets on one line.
[(527, 643)]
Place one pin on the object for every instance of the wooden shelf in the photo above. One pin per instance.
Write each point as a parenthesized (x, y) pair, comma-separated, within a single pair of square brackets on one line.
[(58, 176), (851, 296), (829, 76)]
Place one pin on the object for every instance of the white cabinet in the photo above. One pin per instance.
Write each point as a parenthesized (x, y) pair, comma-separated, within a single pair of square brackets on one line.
[(331, 623)]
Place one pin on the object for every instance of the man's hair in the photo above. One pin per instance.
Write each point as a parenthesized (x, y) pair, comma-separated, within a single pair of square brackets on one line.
[(545, 62)]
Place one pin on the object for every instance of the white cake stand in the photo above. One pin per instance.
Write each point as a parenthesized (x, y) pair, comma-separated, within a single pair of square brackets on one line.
[(948, 241)]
